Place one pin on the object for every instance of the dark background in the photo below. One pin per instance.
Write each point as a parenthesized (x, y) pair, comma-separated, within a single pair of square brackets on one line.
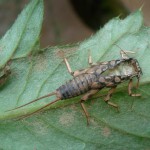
[(70, 21)]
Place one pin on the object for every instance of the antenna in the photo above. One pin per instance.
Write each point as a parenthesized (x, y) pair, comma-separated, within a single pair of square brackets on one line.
[(123, 53)]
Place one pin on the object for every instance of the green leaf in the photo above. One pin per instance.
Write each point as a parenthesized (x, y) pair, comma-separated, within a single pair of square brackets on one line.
[(65, 127), (24, 34)]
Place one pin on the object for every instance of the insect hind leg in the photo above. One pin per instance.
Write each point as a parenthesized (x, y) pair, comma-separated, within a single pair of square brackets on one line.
[(108, 96), (130, 85), (83, 99)]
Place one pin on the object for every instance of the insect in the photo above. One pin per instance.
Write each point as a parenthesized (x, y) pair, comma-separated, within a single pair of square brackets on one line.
[(91, 80)]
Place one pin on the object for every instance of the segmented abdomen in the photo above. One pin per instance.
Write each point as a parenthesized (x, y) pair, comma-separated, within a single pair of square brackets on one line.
[(77, 86)]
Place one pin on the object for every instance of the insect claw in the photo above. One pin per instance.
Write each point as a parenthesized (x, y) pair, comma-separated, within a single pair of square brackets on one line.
[(135, 95), (112, 104)]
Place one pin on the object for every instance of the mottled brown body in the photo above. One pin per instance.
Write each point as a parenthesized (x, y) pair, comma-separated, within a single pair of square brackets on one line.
[(77, 86), (91, 80), (99, 76)]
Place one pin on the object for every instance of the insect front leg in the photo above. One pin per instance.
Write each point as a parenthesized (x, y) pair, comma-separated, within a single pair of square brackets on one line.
[(83, 99), (74, 73), (108, 96), (68, 67), (130, 85), (90, 59), (123, 53)]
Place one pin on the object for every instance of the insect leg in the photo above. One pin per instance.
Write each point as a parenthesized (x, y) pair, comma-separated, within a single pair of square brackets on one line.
[(123, 53), (130, 87), (85, 112), (108, 96), (73, 73), (90, 59), (83, 99), (68, 67)]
